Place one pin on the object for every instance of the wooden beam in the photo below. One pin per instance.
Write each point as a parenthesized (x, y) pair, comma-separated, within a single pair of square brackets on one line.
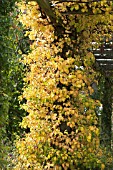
[(79, 1), (105, 51), (105, 61), (100, 56), (106, 67)]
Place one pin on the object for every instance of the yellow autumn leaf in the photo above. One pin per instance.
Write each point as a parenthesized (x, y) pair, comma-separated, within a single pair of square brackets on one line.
[(102, 166), (76, 7), (89, 138)]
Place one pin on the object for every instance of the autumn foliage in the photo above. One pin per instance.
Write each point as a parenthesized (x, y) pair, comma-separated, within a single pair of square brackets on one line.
[(62, 116)]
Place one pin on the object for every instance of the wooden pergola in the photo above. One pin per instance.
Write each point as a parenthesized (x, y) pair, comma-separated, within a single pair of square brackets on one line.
[(104, 57), (104, 63)]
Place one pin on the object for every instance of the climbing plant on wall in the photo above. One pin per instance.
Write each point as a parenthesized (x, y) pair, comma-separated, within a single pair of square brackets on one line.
[(11, 75), (58, 90), (4, 67)]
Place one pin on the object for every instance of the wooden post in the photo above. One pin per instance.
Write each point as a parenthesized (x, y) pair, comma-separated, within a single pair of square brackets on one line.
[(112, 123), (106, 114)]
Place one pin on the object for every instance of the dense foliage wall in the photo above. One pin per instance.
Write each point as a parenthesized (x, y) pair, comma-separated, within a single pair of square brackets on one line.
[(58, 95), (11, 77), (58, 90), (4, 102)]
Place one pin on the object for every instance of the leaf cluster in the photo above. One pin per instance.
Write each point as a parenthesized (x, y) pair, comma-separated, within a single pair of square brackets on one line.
[(58, 90)]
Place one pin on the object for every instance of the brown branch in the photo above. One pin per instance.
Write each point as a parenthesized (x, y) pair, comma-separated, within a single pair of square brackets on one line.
[(45, 5)]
